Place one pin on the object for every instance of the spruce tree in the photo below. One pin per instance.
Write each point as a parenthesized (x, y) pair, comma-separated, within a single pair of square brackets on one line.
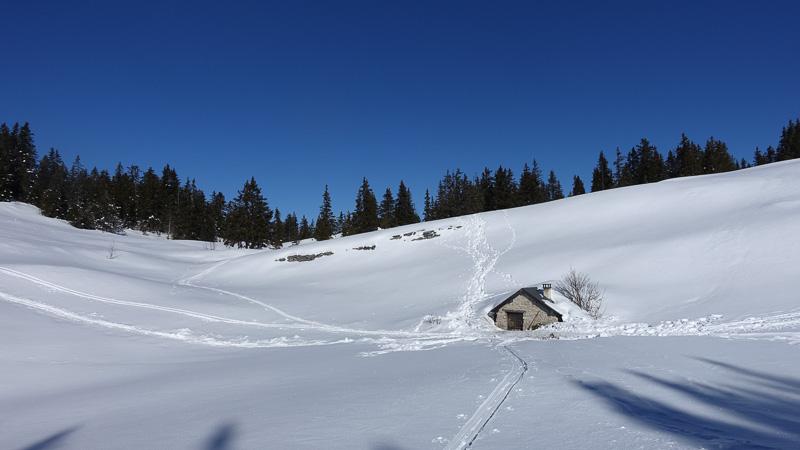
[(216, 214), (104, 215), (306, 231), (577, 186), (290, 227), (170, 196), (716, 158), (505, 189), (323, 230), (404, 211), (688, 159), (789, 144), (347, 224), (339, 228), (365, 217), (248, 218), (485, 185), (427, 209), (619, 165), (51, 186), (21, 163), (771, 155), (644, 164), (123, 193), (602, 178), (759, 158), (457, 195), (6, 176), (386, 218), (554, 191), (651, 163), (149, 203), (79, 211), (531, 186), (278, 231)]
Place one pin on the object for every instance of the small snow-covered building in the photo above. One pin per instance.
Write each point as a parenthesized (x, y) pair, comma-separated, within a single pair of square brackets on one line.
[(527, 309)]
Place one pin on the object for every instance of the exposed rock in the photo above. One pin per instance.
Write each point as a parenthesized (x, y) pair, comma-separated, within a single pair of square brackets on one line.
[(427, 235), (304, 258), (396, 236), (365, 247)]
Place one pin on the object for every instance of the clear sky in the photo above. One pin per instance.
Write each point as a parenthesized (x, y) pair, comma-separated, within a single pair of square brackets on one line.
[(302, 93)]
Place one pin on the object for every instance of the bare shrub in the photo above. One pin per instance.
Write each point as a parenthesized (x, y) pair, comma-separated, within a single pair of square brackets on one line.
[(581, 290)]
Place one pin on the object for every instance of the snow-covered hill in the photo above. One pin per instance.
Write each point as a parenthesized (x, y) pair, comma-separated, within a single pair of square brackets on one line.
[(141, 342)]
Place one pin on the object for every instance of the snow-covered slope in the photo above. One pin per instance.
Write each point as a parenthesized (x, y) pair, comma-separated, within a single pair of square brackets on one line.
[(172, 344)]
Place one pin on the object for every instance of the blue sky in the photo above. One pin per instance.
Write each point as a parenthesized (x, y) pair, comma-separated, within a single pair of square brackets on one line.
[(300, 94)]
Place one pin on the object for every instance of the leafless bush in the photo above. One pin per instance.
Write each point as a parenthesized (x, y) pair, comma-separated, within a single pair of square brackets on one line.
[(581, 290), (112, 250)]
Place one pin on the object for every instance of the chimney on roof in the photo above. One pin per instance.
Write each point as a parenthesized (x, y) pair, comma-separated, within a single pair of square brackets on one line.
[(547, 290)]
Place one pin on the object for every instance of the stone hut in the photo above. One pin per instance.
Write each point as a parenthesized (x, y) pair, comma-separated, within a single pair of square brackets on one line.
[(527, 309)]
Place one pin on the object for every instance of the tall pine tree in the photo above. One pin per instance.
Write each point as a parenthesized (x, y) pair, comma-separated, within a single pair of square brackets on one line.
[(386, 217), (577, 186), (365, 218), (531, 186), (602, 178), (789, 144), (248, 218), (404, 211), (554, 191), (323, 230), (716, 158)]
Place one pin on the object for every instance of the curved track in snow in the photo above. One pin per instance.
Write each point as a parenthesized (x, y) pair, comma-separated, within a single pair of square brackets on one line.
[(182, 335), (387, 340)]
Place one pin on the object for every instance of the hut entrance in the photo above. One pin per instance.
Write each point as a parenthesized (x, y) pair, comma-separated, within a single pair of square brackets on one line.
[(514, 320)]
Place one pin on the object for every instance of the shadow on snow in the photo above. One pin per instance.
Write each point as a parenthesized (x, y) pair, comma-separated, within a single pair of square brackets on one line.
[(222, 438), (51, 442), (766, 406)]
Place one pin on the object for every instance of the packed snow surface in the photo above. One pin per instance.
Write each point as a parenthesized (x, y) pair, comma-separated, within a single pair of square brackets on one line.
[(138, 341)]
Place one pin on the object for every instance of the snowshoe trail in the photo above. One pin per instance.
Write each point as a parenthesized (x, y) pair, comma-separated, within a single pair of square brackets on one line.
[(484, 258)]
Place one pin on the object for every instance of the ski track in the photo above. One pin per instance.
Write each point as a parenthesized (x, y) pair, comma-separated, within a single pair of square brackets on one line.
[(183, 335), (386, 340), (468, 433)]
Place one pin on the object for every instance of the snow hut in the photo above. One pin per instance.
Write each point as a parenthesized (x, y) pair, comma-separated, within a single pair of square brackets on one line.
[(527, 309)]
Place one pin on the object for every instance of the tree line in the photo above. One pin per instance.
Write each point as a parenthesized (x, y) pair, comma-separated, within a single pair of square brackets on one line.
[(457, 194), (155, 202)]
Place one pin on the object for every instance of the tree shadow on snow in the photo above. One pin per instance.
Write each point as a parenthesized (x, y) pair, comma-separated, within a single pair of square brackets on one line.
[(53, 441), (766, 408), (222, 438)]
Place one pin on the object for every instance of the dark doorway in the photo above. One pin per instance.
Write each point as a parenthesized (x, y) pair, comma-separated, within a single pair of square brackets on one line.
[(514, 320)]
